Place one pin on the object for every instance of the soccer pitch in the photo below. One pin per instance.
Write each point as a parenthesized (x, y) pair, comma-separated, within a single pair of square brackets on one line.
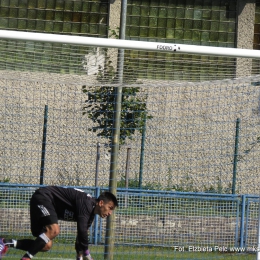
[(126, 253)]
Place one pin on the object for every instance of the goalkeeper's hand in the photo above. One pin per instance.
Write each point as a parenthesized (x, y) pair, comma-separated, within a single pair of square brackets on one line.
[(88, 257), (84, 255)]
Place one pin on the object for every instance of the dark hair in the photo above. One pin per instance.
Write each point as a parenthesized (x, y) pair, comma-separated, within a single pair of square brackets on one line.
[(107, 197)]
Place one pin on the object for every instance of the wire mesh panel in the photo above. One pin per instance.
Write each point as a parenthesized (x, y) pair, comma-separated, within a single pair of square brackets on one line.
[(77, 17), (251, 221), (208, 23), (175, 220), (198, 22), (149, 224), (58, 16)]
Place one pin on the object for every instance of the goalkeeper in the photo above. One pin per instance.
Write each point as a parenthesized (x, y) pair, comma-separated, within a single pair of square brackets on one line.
[(52, 203)]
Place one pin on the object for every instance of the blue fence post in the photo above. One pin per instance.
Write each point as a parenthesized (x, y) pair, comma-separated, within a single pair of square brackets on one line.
[(242, 223)]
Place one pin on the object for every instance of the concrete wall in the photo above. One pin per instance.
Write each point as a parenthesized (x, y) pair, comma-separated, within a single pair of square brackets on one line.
[(245, 34)]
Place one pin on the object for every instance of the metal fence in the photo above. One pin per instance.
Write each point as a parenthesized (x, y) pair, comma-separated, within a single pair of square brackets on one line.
[(149, 219)]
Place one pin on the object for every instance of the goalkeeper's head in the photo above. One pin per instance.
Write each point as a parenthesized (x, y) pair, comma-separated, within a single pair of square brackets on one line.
[(105, 204)]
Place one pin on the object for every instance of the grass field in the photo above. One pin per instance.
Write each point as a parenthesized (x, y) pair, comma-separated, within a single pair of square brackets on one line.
[(65, 252)]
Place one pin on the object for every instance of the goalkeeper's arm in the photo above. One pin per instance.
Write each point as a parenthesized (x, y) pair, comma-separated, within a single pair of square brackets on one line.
[(82, 254), (81, 244)]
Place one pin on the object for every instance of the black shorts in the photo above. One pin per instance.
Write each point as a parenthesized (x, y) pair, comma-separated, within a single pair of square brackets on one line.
[(42, 213)]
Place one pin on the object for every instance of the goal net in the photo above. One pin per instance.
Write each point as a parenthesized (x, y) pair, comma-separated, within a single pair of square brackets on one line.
[(189, 123), (192, 103)]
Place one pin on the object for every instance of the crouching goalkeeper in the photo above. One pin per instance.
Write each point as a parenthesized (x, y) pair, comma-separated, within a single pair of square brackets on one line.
[(50, 204)]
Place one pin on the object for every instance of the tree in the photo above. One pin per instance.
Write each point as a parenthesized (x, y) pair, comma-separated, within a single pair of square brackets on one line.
[(99, 106)]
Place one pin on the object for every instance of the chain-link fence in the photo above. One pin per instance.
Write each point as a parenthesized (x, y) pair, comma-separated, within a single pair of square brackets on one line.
[(187, 144)]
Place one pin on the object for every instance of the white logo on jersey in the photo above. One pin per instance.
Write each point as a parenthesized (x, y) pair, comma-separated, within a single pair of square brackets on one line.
[(79, 190), (44, 211), (2, 247), (83, 191)]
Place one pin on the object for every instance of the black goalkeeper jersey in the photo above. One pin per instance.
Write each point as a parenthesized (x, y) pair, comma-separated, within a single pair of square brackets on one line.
[(73, 204)]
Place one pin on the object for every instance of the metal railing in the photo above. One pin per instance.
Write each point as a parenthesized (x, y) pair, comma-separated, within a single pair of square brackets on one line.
[(150, 218)]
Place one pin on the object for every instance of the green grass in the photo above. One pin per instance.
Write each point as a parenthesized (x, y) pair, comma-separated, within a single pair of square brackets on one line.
[(63, 252)]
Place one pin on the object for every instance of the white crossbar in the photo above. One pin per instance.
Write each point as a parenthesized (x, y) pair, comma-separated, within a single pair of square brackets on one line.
[(128, 44)]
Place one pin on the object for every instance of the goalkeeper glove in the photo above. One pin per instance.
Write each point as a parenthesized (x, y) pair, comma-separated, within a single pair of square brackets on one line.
[(87, 256)]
